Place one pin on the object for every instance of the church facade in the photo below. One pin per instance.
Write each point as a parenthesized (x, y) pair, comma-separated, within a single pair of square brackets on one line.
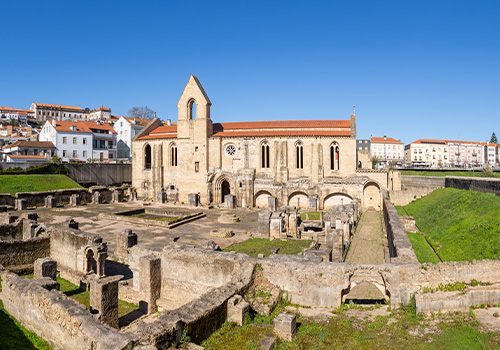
[(307, 164)]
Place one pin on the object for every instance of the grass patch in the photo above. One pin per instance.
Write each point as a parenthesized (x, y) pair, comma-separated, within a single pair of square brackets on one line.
[(449, 173), (422, 250), (461, 225), (313, 215), (400, 210), (154, 217), (35, 183), (255, 246)]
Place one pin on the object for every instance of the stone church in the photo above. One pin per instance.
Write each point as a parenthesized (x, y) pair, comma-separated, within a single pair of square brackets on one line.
[(303, 163)]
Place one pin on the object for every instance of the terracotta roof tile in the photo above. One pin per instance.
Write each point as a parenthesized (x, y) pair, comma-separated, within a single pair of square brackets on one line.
[(270, 133), (19, 157), (57, 106), (16, 109), (102, 108), (284, 124), (164, 129), (96, 126), (37, 144), (66, 126), (137, 121), (158, 136), (384, 140)]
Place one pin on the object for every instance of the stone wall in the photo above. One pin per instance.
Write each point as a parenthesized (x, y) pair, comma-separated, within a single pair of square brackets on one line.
[(488, 185), (427, 181), (61, 321), (62, 196), (400, 247), (19, 252), (6, 199), (101, 174)]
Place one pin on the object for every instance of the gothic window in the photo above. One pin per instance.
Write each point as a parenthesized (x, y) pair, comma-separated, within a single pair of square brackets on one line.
[(230, 150), (147, 157), (299, 150), (265, 155), (192, 109), (173, 155), (334, 157)]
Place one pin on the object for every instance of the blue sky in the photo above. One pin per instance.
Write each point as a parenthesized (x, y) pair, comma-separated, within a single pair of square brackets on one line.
[(414, 69)]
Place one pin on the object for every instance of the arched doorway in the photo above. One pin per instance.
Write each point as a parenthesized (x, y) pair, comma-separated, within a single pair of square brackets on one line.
[(299, 200), (371, 196), (225, 189), (261, 199), (336, 199), (90, 262)]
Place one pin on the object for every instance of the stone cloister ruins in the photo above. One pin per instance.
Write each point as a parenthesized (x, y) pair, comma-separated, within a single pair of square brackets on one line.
[(199, 186)]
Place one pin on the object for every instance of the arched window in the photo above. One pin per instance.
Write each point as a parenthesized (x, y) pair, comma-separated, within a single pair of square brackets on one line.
[(299, 150), (264, 150), (334, 157), (173, 155), (147, 157), (192, 109)]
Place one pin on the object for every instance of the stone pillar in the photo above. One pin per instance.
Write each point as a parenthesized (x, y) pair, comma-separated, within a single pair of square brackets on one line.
[(133, 194), (285, 326), (29, 229), (313, 202), (45, 267), (104, 299), (230, 201), (272, 203), (263, 222), (161, 197), (237, 308), (50, 202), (97, 198), (21, 204), (193, 199), (149, 282), (276, 225), (125, 240), (116, 196), (74, 200)]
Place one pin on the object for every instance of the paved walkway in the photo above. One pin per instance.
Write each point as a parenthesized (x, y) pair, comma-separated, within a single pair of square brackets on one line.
[(367, 246)]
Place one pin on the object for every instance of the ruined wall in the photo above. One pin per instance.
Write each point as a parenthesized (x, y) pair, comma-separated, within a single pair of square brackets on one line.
[(6, 199), (487, 185), (102, 174), (19, 252), (400, 247), (63, 322), (62, 196)]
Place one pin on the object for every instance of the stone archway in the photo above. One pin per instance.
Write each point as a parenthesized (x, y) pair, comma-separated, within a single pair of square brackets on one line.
[(371, 196), (335, 199), (225, 189), (298, 200), (366, 287), (90, 262), (261, 199)]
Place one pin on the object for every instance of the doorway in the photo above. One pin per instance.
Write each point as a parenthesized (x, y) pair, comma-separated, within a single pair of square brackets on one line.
[(225, 190)]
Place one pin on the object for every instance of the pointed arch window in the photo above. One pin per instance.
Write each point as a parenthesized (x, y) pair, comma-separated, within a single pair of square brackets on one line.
[(264, 150), (299, 150), (173, 155), (334, 157), (147, 157), (192, 109)]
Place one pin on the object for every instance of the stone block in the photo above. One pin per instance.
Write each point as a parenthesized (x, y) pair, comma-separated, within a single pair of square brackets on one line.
[(97, 198), (313, 202), (263, 222), (125, 240), (133, 194), (104, 299), (272, 203), (324, 254), (211, 245), (230, 201), (71, 223), (149, 282), (74, 200), (116, 196), (276, 224), (50, 202), (237, 308), (285, 326), (21, 204), (193, 199), (45, 267)]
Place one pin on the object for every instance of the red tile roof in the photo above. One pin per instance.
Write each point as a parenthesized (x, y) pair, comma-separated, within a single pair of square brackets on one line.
[(37, 144), (284, 124), (158, 136), (97, 126), (269, 133), (384, 140), (57, 106), (66, 126), (164, 129), (16, 109), (137, 121), (102, 108), (34, 157)]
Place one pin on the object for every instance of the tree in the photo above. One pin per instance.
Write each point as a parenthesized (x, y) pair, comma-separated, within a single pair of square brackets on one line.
[(493, 138), (142, 112)]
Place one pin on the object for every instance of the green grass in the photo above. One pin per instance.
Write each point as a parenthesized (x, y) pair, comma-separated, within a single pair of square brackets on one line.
[(461, 225), (422, 250), (400, 210), (255, 246), (35, 183), (313, 215), (448, 173), (153, 217), (409, 331), (14, 336)]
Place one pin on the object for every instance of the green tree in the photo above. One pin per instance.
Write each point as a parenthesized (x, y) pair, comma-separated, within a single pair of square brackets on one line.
[(493, 138)]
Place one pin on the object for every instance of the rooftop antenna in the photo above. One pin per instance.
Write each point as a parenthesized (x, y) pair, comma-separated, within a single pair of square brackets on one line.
[(354, 110), (155, 114)]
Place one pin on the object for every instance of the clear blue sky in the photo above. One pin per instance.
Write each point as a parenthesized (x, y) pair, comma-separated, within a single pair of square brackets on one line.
[(414, 69)]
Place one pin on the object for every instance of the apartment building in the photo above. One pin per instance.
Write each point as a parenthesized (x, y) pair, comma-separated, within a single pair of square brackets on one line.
[(81, 140), (491, 156), (386, 149), (126, 129), (429, 153), (9, 114), (45, 111), (466, 154)]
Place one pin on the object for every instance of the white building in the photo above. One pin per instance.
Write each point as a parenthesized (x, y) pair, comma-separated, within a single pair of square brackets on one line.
[(386, 149), (45, 111), (127, 128), (429, 153), (81, 140), (491, 154), (466, 154), (9, 114)]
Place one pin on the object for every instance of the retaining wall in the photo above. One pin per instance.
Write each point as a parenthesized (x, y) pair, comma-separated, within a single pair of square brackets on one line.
[(101, 174), (484, 184), (19, 252), (34, 199)]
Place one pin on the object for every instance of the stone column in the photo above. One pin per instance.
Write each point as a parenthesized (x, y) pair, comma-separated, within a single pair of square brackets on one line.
[(276, 225), (45, 267), (50, 202), (272, 203), (285, 326), (125, 240), (237, 308), (193, 199), (104, 300), (74, 200), (230, 201), (116, 196), (96, 198), (21, 204), (149, 282)]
